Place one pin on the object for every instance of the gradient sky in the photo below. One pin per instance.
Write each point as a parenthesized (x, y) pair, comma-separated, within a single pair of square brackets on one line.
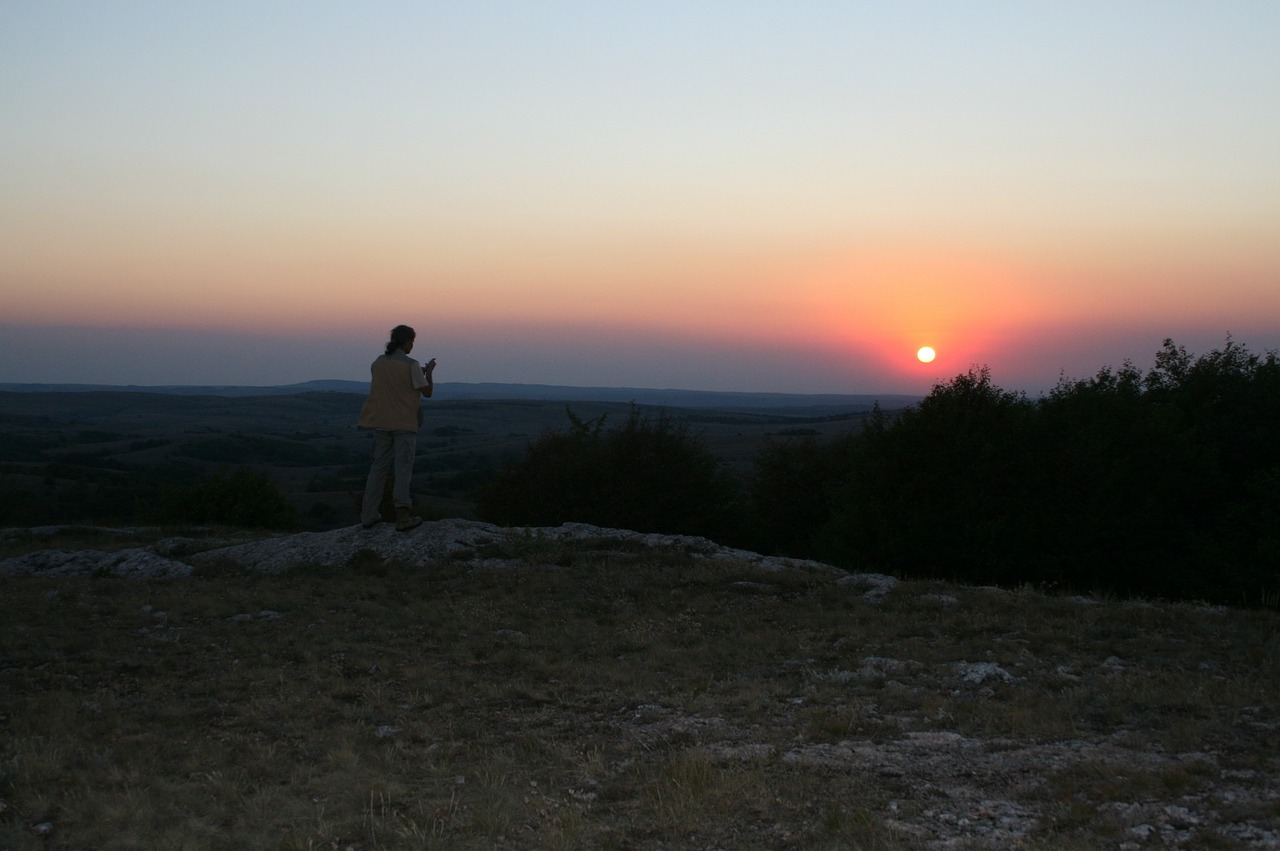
[(730, 195)]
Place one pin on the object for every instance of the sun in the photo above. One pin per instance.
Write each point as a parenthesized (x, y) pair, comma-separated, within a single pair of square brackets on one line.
[(926, 354)]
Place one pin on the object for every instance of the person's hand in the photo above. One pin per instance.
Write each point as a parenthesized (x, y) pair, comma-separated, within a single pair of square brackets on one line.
[(429, 366)]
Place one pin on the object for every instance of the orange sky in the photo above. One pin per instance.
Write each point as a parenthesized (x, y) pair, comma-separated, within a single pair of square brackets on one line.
[(768, 198)]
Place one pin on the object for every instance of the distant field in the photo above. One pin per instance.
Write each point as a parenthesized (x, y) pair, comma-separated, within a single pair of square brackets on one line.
[(81, 456)]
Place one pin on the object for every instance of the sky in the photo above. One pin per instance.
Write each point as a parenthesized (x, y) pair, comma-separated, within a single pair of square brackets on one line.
[(703, 194)]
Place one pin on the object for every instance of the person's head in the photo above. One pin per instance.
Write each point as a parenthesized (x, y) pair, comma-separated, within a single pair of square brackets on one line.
[(402, 337)]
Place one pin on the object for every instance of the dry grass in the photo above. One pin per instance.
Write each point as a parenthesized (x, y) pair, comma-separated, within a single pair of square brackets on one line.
[(633, 701)]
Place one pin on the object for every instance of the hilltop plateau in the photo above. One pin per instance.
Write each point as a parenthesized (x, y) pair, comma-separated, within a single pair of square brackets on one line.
[(464, 685)]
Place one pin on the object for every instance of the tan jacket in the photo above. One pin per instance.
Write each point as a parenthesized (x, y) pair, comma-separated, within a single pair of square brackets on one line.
[(393, 394)]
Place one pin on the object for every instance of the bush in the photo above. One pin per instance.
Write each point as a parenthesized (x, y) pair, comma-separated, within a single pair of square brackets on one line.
[(792, 490), (236, 496), (649, 475), (943, 478)]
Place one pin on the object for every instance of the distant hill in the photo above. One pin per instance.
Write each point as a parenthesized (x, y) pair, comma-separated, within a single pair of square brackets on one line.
[(540, 392)]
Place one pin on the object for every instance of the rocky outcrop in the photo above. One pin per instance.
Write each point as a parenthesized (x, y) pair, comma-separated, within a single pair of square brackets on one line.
[(947, 788), (452, 540), (135, 563)]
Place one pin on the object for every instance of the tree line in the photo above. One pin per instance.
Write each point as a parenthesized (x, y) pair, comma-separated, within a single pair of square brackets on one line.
[(1159, 484)]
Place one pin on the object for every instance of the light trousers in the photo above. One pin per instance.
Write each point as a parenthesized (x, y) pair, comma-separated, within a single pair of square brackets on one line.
[(389, 448)]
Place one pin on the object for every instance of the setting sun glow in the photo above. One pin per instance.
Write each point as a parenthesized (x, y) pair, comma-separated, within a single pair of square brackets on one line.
[(970, 185)]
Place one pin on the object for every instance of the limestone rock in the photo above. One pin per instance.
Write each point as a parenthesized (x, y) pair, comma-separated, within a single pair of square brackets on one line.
[(135, 563), (454, 540)]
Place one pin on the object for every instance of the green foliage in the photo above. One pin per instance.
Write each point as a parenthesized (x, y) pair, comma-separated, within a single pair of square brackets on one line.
[(28, 447), (236, 496), (65, 492), (261, 449), (926, 483), (792, 490), (648, 475), (1164, 484)]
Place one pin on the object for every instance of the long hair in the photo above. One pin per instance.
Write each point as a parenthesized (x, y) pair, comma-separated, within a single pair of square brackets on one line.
[(400, 335)]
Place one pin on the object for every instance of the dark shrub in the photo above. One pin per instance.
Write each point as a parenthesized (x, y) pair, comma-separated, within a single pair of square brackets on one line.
[(937, 491), (236, 496), (792, 490), (648, 475)]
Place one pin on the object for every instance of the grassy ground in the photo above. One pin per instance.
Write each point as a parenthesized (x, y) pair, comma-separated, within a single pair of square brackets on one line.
[(634, 701)]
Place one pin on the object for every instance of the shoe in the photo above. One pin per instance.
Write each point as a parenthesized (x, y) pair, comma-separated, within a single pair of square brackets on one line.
[(406, 521), (371, 523)]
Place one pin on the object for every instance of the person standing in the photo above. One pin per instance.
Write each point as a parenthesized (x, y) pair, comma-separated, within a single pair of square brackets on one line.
[(392, 411)]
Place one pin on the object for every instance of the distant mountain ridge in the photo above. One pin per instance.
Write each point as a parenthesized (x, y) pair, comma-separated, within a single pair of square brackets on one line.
[(538, 392)]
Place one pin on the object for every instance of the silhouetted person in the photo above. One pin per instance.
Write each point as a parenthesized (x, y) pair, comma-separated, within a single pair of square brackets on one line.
[(392, 410)]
